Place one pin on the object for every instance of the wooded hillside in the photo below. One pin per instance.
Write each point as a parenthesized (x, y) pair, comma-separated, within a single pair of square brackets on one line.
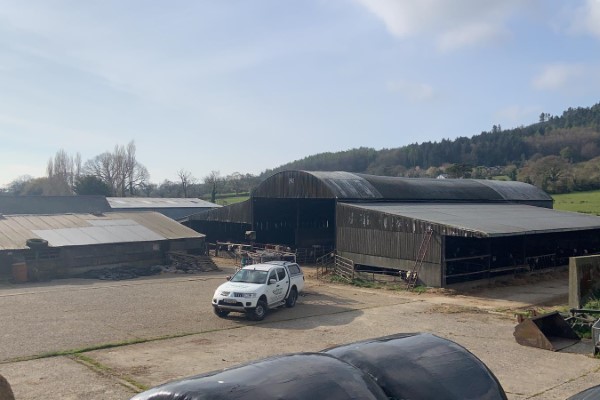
[(558, 154)]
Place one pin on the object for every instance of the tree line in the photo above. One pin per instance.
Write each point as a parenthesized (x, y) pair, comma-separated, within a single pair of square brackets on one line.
[(558, 154), (118, 173)]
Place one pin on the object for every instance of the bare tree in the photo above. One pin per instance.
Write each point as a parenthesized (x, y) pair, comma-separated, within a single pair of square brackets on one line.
[(235, 181), (102, 167), (186, 179), (213, 180), (119, 170), (63, 171)]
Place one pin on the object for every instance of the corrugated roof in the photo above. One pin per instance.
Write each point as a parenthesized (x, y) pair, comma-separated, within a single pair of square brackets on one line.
[(490, 219), (353, 186), (158, 202), (11, 205), (347, 185), (86, 229)]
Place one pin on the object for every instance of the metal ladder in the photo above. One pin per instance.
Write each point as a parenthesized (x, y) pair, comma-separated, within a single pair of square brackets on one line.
[(413, 275)]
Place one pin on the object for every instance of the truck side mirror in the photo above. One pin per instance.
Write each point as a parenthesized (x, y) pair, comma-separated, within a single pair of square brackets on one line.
[(272, 281), (228, 278)]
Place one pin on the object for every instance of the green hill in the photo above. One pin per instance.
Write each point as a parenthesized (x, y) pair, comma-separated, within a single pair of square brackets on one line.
[(558, 153)]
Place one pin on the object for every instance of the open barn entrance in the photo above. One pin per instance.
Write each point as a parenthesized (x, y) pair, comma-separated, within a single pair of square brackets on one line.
[(298, 223), (469, 259)]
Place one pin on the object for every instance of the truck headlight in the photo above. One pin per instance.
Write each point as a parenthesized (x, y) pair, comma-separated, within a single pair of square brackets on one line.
[(249, 295), (225, 294)]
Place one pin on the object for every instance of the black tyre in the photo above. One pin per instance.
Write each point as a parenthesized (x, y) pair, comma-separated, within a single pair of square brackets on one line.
[(36, 243), (291, 299), (259, 313), (220, 313)]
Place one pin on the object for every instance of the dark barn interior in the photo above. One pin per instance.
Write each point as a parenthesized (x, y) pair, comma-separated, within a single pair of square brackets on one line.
[(298, 223), (469, 259)]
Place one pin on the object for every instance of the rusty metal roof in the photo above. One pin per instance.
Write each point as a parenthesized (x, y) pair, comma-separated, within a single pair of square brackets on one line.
[(489, 220), (158, 202), (89, 229)]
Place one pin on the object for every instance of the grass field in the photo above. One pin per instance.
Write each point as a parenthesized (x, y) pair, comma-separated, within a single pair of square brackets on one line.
[(583, 202)]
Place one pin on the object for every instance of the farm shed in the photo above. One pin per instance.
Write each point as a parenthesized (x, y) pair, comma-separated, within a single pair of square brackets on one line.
[(480, 228), (13, 205), (467, 242), (174, 208), (79, 242)]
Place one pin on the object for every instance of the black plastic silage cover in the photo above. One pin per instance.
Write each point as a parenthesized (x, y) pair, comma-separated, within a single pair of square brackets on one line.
[(592, 393), (422, 366), (403, 366), (306, 376)]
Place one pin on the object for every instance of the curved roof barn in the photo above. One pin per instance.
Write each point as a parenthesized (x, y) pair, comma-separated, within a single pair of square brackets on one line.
[(352, 186)]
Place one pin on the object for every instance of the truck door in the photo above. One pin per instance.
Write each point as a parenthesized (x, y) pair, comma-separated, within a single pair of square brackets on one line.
[(284, 281), (274, 289)]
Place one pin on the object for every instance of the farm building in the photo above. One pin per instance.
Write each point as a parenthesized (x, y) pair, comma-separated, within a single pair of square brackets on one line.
[(63, 245), (12, 205), (174, 208), (467, 230)]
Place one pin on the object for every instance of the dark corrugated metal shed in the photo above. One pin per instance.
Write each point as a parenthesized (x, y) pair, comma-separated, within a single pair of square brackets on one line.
[(487, 220), (482, 229), (11, 205), (350, 186), (469, 241), (228, 223)]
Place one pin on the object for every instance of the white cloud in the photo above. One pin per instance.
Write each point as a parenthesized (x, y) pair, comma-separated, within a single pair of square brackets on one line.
[(516, 114), (452, 24), (586, 18), (558, 76), (411, 90), (471, 35)]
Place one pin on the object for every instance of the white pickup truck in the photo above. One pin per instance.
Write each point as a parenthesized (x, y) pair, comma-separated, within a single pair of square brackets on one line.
[(257, 288)]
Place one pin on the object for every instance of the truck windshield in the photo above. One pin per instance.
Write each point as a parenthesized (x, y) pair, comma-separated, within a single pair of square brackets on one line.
[(250, 276)]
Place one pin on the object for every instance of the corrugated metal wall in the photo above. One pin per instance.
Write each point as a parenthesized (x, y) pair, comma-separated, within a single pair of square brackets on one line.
[(293, 184), (238, 213), (374, 233)]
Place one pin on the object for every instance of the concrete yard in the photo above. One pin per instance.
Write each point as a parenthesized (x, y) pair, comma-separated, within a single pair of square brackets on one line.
[(93, 339)]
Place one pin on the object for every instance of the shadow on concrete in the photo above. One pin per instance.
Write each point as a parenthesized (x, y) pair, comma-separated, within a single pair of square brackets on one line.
[(311, 311)]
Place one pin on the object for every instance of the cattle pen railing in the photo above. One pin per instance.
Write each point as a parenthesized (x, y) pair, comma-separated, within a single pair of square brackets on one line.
[(345, 268), (338, 265)]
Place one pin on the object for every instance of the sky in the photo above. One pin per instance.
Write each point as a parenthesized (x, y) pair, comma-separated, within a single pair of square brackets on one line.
[(247, 85)]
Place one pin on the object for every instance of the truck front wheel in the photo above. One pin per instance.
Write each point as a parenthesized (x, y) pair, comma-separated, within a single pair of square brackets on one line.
[(259, 312), (220, 313)]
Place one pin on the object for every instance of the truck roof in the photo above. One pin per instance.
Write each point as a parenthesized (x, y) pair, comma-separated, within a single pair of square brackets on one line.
[(268, 265), (260, 267)]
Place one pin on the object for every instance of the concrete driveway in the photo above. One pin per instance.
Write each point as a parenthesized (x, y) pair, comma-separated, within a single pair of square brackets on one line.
[(108, 340)]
